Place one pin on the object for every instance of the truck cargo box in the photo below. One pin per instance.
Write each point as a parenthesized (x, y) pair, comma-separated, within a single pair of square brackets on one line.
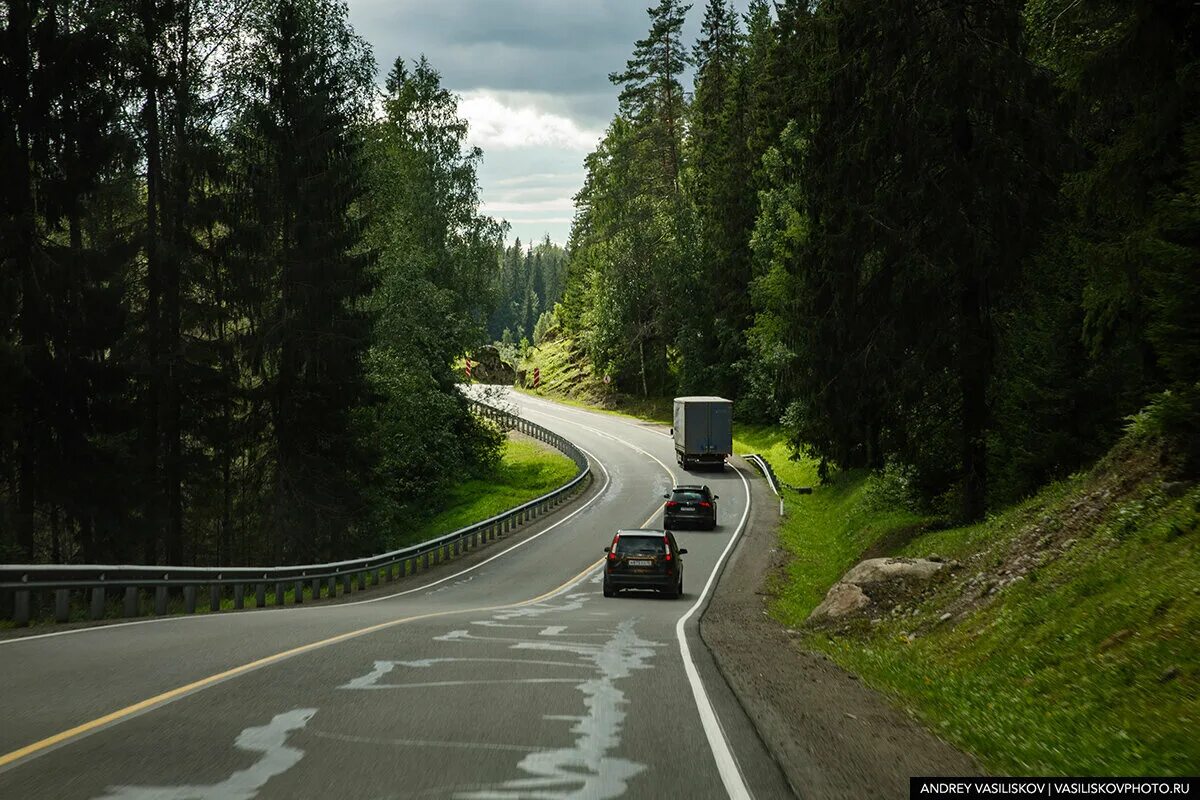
[(703, 430)]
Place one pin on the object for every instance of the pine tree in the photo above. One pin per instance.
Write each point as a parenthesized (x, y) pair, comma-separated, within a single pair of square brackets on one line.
[(300, 130), (651, 92)]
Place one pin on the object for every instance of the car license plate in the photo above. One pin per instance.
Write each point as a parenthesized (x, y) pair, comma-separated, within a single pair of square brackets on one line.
[(639, 562)]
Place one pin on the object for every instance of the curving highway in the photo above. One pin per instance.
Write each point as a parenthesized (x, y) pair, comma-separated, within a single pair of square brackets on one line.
[(504, 674)]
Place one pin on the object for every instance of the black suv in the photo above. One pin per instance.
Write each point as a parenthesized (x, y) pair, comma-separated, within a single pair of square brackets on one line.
[(690, 505), (644, 559)]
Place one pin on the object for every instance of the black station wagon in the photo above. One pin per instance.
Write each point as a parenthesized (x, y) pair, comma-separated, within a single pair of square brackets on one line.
[(644, 559), (690, 505)]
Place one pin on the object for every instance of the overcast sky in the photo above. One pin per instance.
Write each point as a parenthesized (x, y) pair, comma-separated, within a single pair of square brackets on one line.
[(533, 77)]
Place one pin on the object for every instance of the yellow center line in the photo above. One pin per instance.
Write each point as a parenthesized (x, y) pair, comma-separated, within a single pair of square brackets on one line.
[(166, 697)]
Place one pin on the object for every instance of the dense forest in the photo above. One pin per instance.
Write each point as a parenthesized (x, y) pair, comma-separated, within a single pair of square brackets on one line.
[(530, 282), (234, 277), (957, 241)]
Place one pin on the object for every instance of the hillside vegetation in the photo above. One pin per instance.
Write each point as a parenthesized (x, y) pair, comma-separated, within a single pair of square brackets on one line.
[(1066, 640)]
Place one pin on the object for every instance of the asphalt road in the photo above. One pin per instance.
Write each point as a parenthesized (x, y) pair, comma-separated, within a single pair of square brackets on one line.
[(514, 678)]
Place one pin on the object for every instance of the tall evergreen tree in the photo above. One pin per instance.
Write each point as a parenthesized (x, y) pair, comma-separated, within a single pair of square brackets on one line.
[(301, 121)]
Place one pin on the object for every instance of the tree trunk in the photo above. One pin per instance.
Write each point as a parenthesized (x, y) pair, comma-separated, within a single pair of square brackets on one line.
[(21, 208), (172, 344), (974, 369), (152, 400)]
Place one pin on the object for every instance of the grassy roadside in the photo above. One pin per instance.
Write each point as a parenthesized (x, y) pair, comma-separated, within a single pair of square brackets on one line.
[(528, 469), (1085, 664), (1072, 643)]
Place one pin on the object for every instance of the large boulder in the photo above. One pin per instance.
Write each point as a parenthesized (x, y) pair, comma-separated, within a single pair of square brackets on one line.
[(890, 570), (842, 599), (874, 582)]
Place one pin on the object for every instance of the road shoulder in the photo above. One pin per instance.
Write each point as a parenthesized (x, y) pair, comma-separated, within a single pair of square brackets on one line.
[(832, 736)]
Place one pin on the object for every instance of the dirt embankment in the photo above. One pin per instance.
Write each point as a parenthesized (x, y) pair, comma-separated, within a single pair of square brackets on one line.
[(833, 736)]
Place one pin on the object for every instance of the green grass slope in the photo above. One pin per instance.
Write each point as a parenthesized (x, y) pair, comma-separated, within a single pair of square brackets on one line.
[(1073, 635)]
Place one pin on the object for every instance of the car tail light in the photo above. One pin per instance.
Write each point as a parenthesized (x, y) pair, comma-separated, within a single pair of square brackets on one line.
[(612, 551), (666, 551), (672, 504), (705, 504)]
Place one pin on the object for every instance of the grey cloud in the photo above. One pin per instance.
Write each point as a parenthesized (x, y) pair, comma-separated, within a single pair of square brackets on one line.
[(553, 55), (564, 48)]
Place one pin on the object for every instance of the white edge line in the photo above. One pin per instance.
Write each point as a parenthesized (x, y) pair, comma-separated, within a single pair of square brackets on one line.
[(727, 765), (212, 616)]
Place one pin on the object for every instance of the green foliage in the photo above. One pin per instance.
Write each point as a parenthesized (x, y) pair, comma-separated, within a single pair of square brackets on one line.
[(547, 325), (230, 296), (524, 470), (973, 265), (435, 260), (529, 284)]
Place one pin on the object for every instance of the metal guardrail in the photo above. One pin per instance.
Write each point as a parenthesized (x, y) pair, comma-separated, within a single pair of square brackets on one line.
[(27, 583), (764, 466)]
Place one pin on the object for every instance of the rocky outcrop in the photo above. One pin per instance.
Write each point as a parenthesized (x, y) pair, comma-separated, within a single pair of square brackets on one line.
[(489, 367), (876, 582)]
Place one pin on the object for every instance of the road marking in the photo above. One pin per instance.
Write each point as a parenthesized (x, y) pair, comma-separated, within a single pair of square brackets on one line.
[(327, 607), (341, 737), (277, 758), (439, 684), (731, 774), (21, 754)]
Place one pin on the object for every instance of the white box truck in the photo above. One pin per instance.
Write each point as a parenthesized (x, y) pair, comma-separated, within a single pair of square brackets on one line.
[(703, 431)]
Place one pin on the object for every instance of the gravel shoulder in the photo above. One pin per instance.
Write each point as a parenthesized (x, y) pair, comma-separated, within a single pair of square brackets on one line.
[(833, 736)]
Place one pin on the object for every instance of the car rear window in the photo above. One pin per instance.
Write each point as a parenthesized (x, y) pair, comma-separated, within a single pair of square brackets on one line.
[(686, 497), (627, 544)]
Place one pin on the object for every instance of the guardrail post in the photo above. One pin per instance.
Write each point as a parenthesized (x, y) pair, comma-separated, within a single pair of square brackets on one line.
[(260, 595), (189, 599), (98, 598), (21, 608), (426, 560), (332, 593), (280, 594), (62, 605), (362, 581), (131, 601), (239, 596), (316, 589), (298, 593), (214, 597), (160, 600), (346, 587)]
